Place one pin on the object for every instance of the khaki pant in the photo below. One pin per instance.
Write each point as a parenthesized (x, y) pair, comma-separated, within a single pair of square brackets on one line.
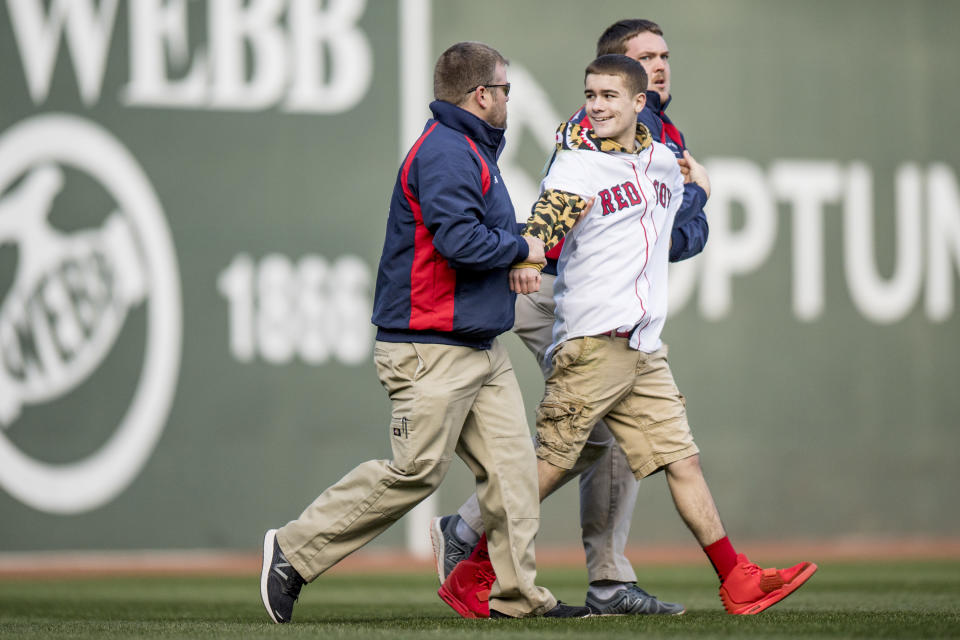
[(634, 392), (608, 488), (445, 399)]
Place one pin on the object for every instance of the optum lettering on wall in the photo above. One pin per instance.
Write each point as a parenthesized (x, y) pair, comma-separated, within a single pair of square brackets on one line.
[(302, 55), (927, 237)]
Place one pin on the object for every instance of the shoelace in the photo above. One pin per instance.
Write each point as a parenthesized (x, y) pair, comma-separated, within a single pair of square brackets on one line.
[(770, 579), (486, 573), (293, 584), (649, 603), (634, 588), (484, 567), (292, 587)]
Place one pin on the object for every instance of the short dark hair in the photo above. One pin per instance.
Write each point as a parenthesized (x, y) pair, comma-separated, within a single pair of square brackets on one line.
[(615, 38), (463, 67), (616, 64)]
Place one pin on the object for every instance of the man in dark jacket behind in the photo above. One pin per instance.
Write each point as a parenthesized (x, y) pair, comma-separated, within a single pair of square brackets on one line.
[(442, 298)]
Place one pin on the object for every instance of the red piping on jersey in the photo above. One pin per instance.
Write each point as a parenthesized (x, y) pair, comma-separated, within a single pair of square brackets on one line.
[(432, 281), (655, 231), (656, 196), (646, 248), (644, 325)]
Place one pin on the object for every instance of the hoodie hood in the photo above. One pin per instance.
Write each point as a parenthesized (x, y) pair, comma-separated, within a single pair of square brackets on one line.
[(574, 136)]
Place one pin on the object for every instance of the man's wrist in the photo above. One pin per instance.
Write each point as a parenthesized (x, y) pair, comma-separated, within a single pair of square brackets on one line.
[(523, 249), (528, 265)]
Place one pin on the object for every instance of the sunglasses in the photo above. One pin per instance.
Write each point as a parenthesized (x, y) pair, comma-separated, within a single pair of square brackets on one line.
[(505, 87)]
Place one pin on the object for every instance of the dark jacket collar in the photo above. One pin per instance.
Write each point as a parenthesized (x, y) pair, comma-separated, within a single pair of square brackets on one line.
[(465, 122), (653, 102)]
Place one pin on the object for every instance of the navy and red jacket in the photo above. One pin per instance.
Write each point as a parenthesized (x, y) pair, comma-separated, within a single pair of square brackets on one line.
[(451, 238), (690, 229)]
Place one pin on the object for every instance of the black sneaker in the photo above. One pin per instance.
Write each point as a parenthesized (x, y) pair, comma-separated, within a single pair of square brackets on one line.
[(448, 548), (567, 611), (279, 582), (632, 600), (560, 611)]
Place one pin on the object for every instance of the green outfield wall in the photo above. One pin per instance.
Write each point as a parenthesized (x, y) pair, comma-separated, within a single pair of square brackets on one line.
[(192, 206)]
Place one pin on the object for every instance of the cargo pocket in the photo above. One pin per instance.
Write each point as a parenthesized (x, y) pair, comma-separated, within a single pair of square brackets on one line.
[(402, 444), (560, 426)]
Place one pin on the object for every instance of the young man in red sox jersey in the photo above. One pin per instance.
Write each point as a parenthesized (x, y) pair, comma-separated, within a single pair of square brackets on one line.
[(608, 359), (608, 488)]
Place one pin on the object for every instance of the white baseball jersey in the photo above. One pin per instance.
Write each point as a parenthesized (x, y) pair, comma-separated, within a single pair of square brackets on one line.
[(612, 270)]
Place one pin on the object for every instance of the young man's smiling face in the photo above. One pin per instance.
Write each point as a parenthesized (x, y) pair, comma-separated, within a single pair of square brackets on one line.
[(613, 107)]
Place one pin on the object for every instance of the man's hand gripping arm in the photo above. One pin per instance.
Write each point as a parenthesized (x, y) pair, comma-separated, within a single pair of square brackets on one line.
[(553, 215)]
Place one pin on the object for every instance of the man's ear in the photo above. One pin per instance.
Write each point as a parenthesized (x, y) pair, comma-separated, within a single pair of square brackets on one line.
[(483, 97), (641, 102)]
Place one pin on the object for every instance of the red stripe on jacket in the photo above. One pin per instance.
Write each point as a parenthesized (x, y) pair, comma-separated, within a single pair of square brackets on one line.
[(670, 131), (484, 171), (432, 281)]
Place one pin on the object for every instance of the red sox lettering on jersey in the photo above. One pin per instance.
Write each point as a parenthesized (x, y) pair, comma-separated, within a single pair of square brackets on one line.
[(626, 195)]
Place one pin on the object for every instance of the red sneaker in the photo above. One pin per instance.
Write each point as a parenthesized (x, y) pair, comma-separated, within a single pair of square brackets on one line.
[(749, 589), (467, 587)]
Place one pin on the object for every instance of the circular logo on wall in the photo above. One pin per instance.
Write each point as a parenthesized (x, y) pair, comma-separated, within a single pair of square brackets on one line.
[(68, 301)]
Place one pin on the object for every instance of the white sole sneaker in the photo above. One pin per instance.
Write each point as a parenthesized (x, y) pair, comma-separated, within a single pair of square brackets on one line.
[(268, 541), (439, 546)]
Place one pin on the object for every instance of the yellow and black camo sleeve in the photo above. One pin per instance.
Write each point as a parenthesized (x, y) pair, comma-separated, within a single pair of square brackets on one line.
[(553, 215)]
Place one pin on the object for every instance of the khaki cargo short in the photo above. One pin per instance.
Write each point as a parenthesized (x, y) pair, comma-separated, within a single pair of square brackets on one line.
[(634, 392)]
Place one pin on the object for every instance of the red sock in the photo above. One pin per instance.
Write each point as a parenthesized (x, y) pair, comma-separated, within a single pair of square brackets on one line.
[(722, 557)]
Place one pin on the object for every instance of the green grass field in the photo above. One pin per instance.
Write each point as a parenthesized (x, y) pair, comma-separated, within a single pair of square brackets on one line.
[(885, 600)]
